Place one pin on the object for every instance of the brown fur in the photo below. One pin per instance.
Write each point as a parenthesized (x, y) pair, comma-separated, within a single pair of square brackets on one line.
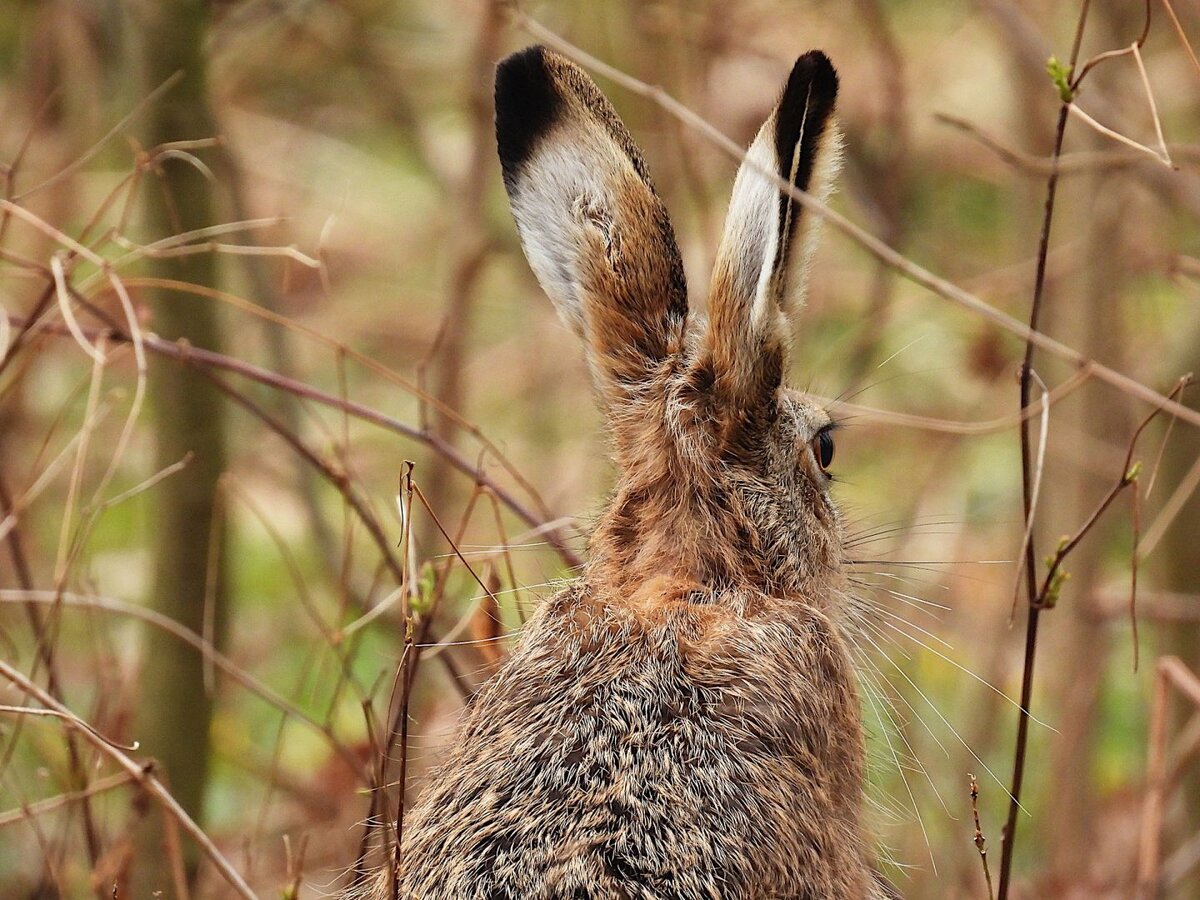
[(683, 721)]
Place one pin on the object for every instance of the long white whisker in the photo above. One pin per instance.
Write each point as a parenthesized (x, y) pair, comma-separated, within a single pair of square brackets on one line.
[(991, 687), (904, 779), (946, 722), (916, 602), (928, 634), (919, 718), (912, 579)]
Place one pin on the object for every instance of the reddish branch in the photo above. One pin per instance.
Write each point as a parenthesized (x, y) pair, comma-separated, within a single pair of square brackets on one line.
[(1027, 476), (197, 356)]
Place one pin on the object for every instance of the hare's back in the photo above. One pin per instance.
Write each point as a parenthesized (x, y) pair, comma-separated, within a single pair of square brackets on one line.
[(690, 750)]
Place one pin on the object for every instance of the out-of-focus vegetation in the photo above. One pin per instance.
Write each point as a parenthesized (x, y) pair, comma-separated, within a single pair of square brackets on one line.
[(351, 144)]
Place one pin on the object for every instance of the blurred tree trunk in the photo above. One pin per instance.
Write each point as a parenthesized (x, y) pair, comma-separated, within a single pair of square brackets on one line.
[(1079, 645), (469, 250), (1179, 570), (189, 582)]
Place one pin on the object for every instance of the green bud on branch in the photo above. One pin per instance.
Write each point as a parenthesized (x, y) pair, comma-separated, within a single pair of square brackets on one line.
[(1061, 76)]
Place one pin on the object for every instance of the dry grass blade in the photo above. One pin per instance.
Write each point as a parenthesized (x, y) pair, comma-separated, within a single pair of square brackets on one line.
[(142, 774), (222, 662)]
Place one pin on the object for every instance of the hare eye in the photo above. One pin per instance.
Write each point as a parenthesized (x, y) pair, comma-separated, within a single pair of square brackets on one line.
[(822, 448)]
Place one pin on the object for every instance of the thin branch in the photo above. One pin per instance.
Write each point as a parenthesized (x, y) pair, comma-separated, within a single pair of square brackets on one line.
[(1171, 672), (1187, 45), (1129, 476), (72, 719), (208, 359), (980, 842), (873, 245), (84, 158), (99, 786), (189, 637), (1023, 556), (1163, 157), (1009, 834)]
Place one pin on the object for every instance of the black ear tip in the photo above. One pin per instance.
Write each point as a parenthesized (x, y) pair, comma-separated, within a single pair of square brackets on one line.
[(527, 103), (803, 114), (813, 72), (520, 69)]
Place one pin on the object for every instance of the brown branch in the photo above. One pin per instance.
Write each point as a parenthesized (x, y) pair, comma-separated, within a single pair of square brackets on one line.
[(374, 366), (28, 324), (980, 842), (189, 637), (1008, 838), (873, 245), (1047, 593), (406, 674), (1112, 54), (45, 655), (1068, 163), (198, 356), (343, 485), (84, 158), (99, 786), (1171, 672)]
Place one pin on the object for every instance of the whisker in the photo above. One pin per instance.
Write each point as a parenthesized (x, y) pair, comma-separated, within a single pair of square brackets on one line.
[(904, 780), (917, 602), (906, 347), (946, 722), (911, 579), (900, 696), (991, 687), (928, 634)]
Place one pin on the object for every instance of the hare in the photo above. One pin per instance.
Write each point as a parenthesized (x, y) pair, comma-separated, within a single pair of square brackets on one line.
[(683, 720)]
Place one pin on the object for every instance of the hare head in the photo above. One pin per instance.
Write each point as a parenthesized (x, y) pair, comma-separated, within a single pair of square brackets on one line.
[(723, 469), (682, 721)]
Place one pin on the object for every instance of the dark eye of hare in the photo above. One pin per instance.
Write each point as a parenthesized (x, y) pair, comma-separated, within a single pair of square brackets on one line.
[(822, 447)]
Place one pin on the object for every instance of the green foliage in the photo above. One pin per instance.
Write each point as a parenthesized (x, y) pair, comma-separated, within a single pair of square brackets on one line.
[(1060, 75)]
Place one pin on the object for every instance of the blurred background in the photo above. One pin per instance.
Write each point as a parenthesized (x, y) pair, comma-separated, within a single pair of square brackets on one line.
[(210, 554)]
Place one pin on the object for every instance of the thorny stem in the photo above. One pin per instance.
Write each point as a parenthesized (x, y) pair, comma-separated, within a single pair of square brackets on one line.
[(980, 842), (407, 670), (1031, 587)]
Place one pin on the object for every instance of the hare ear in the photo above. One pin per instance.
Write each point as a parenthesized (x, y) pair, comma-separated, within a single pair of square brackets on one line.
[(768, 241), (594, 231)]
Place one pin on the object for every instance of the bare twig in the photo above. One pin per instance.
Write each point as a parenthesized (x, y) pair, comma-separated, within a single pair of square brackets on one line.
[(84, 158), (1038, 469), (1187, 45), (1170, 510), (980, 843), (1027, 477), (1162, 157), (198, 356), (55, 714), (218, 659), (50, 804)]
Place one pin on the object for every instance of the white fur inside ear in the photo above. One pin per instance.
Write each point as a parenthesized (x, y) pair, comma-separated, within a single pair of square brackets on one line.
[(557, 193), (752, 225)]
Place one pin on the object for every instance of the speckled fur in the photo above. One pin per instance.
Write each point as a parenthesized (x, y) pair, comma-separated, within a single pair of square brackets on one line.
[(681, 722)]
